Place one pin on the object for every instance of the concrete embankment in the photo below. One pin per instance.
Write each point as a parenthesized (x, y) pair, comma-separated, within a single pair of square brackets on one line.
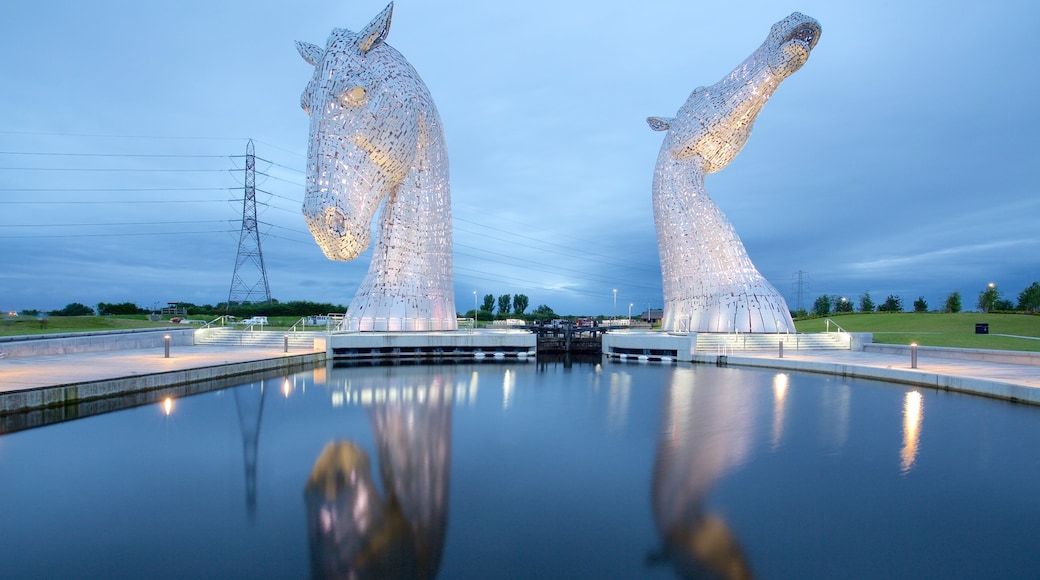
[(90, 370), (1016, 378)]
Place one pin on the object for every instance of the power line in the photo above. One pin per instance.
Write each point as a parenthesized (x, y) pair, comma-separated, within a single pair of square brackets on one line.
[(113, 235), (140, 155), (113, 170), (110, 224)]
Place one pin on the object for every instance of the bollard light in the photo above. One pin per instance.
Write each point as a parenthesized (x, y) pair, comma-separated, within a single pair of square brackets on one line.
[(781, 348), (166, 342), (913, 355), (286, 342)]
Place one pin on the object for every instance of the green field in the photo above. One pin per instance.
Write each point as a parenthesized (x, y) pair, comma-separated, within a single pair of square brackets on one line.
[(936, 329), (21, 325)]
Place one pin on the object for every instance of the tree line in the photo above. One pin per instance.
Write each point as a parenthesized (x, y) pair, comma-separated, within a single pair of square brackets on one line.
[(990, 299)]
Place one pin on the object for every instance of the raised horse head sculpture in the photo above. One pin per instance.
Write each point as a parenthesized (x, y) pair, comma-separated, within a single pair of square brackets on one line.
[(376, 140), (710, 284)]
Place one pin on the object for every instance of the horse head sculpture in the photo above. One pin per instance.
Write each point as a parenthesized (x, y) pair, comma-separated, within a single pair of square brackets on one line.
[(376, 140), (710, 284)]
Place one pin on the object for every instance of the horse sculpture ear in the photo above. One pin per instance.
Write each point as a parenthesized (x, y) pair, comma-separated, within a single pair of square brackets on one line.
[(375, 33), (310, 52), (659, 123)]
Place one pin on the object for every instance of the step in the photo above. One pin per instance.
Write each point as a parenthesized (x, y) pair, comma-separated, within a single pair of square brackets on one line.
[(707, 342)]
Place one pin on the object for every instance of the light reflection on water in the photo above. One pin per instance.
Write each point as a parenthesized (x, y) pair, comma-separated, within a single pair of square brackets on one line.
[(599, 470)]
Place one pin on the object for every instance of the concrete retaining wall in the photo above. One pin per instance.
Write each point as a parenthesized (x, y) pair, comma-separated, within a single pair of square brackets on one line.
[(975, 354), (65, 395), (100, 341)]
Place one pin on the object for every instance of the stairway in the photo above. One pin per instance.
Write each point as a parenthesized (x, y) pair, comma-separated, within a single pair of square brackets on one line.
[(256, 338), (723, 343)]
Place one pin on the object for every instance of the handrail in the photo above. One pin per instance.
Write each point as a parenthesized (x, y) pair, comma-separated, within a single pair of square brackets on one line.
[(221, 319), (302, 321), (829, 322)]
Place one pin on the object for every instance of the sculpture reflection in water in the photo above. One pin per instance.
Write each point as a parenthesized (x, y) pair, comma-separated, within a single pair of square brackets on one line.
[(376, 140), (707, 431), (710, 284), (356, 532)]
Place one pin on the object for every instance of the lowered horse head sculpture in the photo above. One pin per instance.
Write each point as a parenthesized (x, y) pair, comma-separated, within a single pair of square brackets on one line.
[(376, 140), (710, 284)]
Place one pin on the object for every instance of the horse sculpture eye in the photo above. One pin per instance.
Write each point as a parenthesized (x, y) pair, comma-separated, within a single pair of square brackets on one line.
[(353, 97)]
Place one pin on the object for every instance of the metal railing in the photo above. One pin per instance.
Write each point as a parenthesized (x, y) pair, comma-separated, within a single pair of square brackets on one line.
[(840, 330), (221, 319)]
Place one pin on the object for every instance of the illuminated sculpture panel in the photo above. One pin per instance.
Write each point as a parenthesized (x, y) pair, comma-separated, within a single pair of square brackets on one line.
[(376, 141), (710, 284)]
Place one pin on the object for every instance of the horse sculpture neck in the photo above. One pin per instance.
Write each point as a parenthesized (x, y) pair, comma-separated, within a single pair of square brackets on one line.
[(409, 282), (710, 283)]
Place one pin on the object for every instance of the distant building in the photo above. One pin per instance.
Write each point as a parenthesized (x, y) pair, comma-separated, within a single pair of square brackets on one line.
[(652, 316)]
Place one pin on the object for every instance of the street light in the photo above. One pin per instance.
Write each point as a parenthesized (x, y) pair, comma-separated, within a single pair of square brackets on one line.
[(475, 309), (630, 314), (615, 303)]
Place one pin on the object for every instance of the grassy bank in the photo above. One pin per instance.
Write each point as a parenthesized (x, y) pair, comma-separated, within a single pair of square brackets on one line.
[(22, 325), (936, 329)]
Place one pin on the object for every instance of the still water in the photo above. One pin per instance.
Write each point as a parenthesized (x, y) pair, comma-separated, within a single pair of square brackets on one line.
[(531, 470)]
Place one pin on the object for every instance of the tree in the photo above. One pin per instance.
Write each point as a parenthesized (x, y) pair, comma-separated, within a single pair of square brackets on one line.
[(124, 308), (920, 305), (988, 298), (822, 306), (891, 304), (865, 303), (842, 304), (953, 303), (74, 309), (489, 303), (505, 301), (1004, 304), (543, 312), (519, 304), (1029, 299)]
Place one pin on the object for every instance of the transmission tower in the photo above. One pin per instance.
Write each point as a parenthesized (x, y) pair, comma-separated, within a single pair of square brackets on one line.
[(800, 290), (250, 261)]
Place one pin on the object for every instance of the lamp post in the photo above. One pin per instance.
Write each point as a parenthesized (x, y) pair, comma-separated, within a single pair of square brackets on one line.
[(630, 314), (615, 303), (475, 310), (166, 344)]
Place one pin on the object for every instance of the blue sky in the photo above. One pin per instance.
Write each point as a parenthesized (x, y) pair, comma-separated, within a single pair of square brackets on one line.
[(899, 160)]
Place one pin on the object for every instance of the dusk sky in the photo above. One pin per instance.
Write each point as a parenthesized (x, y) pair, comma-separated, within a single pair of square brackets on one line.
[(901, 159)]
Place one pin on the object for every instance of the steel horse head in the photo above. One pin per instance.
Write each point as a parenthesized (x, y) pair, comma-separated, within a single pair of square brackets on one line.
[(376, 140)]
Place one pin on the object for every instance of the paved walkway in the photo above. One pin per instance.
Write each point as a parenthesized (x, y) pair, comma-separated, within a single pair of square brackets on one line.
[(34, 372), (1017, 382)]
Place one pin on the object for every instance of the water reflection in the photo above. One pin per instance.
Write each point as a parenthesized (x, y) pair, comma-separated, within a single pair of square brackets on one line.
[(837, 406), (779, 399), (356, 532), (913, 409), (708, 431), (249, 403)]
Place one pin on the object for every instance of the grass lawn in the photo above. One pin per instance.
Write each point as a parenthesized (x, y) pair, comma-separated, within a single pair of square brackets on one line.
[(22, 325), (936, 329)]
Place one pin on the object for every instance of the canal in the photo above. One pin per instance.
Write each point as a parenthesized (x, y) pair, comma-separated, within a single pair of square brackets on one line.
[(531, 469)]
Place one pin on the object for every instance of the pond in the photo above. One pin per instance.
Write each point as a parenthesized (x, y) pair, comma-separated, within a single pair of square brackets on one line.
[(530, 469)]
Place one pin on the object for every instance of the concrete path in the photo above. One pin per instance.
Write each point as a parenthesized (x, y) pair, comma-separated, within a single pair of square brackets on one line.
[(21, 373), (1015, 382), (34, 383)]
